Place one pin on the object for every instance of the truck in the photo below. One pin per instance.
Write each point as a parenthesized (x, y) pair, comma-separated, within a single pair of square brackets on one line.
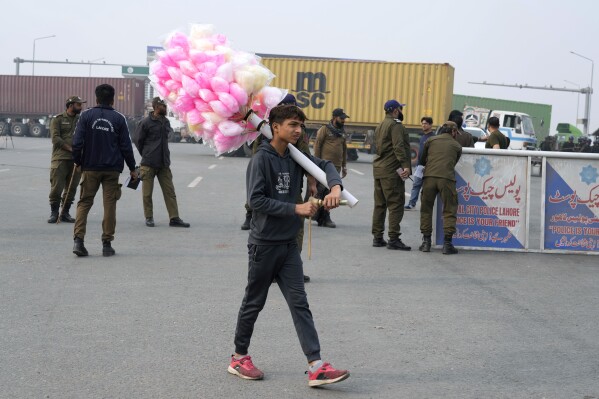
[(361, 87), (28, 103), (517, 126)]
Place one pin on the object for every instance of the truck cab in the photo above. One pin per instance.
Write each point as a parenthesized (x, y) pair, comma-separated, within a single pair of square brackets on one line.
[(515, 125)]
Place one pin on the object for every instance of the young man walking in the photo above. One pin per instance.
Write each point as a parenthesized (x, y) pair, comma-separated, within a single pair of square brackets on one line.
[(273, 184), (427, 133)]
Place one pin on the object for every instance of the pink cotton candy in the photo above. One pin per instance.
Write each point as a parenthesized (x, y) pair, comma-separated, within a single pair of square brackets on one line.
[(224, 143), (220, 109), (177, 54), (177, 39), (209, 68), (272, 96), (175, 73), (219, 85), (229, 128), (184, 104), (201, 105), (213, 117), (197, 57), (159, 69), (238, 93), (225, 72), (207, 95), (172, 85), (190, 86), (162, 90), (187, 68), (195, 117), (165, 59), (229, 101), (203, 80)]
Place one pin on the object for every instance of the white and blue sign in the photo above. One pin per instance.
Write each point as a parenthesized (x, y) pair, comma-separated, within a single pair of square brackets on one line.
[(571, 205), (491, 202)]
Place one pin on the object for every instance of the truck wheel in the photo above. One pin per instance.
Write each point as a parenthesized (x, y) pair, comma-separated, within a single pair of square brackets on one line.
[(18, 129), (352, 154), (37, 130), (414, 148)]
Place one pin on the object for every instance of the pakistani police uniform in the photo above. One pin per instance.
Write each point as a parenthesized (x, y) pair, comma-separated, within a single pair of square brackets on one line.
[(393, 152), (62, 168), (440, 155)]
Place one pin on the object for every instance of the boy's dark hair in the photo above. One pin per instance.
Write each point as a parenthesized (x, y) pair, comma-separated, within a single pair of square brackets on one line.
[(105, 94), (282, 112), (426, 119), (454, 115), (493, 121)]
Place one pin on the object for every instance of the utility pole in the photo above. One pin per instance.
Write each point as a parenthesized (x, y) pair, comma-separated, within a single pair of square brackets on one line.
[(587, 91)]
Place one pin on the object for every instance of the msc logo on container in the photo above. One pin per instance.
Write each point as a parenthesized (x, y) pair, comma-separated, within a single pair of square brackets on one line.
[(311, 89)]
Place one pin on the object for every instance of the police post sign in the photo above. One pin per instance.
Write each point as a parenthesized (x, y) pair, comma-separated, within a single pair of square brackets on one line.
[(492, 197), (571, 221)]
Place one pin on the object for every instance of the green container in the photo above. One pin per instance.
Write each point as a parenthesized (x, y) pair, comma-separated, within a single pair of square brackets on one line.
[(540, 113)]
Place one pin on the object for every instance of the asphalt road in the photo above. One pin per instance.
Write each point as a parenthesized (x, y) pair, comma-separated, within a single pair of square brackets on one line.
[(157, 320)]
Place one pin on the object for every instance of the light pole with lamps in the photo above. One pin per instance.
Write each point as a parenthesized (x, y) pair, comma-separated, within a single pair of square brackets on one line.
[(587, 110), (33, 63), (577, 99)]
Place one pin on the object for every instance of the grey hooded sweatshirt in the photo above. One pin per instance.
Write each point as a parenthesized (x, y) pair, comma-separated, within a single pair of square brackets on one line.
[(273, 184)]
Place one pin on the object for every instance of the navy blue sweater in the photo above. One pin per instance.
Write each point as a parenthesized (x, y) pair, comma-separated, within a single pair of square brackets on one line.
[(101, 141)]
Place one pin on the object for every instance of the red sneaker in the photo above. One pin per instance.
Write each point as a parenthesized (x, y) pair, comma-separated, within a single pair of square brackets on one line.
[(326, 374), (244, 368)]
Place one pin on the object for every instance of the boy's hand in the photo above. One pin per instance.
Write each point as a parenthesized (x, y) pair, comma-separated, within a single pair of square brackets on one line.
[(307, 209), (332, 199)]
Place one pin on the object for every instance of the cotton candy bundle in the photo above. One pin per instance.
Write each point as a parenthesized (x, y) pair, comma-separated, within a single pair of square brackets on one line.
[(209, 85)]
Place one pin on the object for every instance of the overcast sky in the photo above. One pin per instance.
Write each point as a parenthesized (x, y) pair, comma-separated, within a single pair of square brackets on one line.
[(507, 41)]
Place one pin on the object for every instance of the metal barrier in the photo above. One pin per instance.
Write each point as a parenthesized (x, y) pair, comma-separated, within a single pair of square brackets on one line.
[(494, 201)]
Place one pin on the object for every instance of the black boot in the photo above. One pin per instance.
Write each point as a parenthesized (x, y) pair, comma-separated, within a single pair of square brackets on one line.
[(426, 244), (79, 248), (107, 249), (397, 243), (53, 213), (327, 220), (448, 248), (379, 242), (248, 219), (65, 217), (177, 222)]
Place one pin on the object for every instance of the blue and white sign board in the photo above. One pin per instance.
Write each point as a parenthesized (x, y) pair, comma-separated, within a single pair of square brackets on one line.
[(571, 205), (492, 198)]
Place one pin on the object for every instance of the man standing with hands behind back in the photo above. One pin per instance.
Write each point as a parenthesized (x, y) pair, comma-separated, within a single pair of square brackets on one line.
[(152, 143), (390, 167)]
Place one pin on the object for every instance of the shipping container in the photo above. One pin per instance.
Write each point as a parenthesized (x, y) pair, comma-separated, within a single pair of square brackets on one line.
[(28, 102), (540, 113), (362, 87)]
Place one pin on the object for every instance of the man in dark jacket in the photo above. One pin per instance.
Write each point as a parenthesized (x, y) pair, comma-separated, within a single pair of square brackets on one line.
[(101, 146), (152, 143), (463, 137), (274, 181)]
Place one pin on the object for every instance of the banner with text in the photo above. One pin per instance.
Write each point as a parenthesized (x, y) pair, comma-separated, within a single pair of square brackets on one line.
[(491, 202), (571, 205)]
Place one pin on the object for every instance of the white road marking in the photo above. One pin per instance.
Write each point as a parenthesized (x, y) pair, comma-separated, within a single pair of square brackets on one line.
[(221, 158), (4, 170), (357, 171), (195, 182), (212, 166)]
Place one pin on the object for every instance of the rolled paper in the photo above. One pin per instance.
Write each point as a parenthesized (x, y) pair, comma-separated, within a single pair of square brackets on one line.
[(304, 162)]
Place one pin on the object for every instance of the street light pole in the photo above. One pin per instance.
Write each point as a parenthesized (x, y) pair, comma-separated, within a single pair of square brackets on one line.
[(34, 40), (587, 110), (90, 64), (577, 99)]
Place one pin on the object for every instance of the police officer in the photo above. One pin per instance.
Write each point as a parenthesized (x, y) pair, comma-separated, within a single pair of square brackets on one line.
[(390, 167), (463, 137), (62, 170), (496, 139), (440, 155)]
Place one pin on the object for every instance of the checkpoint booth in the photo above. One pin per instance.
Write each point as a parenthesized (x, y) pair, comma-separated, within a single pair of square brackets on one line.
[(496, 210)]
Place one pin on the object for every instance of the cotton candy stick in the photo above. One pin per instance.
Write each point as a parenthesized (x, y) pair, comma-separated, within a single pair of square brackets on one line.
[(304, 162)]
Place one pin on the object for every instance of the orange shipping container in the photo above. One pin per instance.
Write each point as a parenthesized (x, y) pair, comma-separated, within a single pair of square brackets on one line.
[(362, 87)]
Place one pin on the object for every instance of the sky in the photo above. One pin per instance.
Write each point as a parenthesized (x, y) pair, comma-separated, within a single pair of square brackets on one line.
[(507, 41)]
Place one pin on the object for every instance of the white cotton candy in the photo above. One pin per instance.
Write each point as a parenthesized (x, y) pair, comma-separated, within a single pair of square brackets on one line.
[(229, 128)]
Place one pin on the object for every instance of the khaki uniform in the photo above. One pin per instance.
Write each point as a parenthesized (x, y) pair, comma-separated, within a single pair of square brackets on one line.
[(464, 138), (393, 152), (496, 137), (331, 147), (440, 155), (62, 129)]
